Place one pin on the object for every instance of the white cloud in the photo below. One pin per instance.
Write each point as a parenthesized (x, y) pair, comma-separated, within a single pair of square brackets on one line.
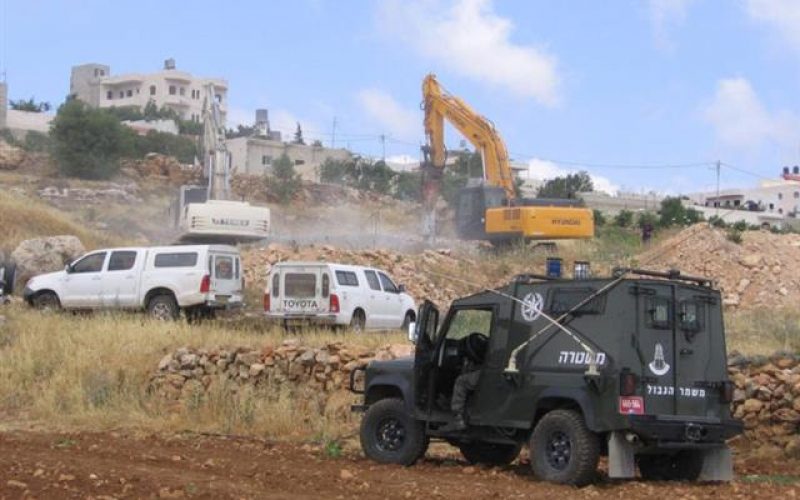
[(664, 16), (741, 121), (545, 169), (389, 114), (469, 38), (782, 15)]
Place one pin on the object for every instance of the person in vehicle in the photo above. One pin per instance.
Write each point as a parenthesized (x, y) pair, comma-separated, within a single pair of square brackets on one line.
[(474, 353)]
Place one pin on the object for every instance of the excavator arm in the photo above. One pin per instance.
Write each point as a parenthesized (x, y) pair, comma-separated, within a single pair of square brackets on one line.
[(478, 130)]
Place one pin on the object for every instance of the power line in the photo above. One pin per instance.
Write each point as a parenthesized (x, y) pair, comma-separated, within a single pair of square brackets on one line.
[(632, 166)]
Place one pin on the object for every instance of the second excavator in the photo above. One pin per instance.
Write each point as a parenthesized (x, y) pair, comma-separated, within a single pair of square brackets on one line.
[(491, 210)]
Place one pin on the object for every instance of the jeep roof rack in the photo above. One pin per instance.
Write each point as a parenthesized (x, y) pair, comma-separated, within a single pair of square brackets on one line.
[(672, 274)]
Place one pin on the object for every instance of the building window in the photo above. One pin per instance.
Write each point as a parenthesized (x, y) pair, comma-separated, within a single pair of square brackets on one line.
[(172, 90), (129, 93), (109, 95), (299, 162), (796, 195), (780, 211), (772, 206), (152, 90), (736, 203), (266, 160), (121, 94), (780, 196), (218, 97), (183, 90), (137, 90)]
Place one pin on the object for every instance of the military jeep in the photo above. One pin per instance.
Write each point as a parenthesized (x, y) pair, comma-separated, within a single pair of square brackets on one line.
[(632, 366)]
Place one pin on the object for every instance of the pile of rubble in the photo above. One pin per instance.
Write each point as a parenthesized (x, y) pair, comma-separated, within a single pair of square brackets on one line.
[(767, 399), (759, 272), (11, 157), (425, 275), (155, 166)]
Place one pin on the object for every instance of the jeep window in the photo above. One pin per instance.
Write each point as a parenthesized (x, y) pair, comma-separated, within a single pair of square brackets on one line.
[(276, 285), (184, 259), (299, 285), (346, 278), (467, 321), (388, 284), (90, 264), (236, 268), (659, 313), (121, 260), (372, 279), (564, 299), (326, 285), (691, 316), (223, 267)]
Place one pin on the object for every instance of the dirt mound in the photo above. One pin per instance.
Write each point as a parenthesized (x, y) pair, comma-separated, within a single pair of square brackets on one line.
[(11, 158), (761, 271)]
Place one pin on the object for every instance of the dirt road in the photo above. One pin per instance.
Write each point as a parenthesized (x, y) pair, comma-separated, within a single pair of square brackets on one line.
[(112, 465)]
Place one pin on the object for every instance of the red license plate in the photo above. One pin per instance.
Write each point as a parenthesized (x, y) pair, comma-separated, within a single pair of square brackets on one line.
[(632, 405)]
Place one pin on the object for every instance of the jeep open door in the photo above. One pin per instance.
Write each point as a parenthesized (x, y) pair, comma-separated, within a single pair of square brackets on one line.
[(425, 357)]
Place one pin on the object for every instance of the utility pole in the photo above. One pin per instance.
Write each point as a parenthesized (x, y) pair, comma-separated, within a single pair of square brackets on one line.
[(333, 135), (383, 147), (719, 165)]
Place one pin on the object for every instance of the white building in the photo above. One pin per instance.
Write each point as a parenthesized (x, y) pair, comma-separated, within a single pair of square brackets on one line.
[(256, 156), (170, 88)]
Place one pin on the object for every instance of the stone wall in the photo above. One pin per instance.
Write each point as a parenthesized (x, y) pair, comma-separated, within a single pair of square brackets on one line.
[(766, 397)]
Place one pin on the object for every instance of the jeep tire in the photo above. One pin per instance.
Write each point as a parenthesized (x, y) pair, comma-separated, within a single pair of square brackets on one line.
[(390, 435), (163, 308), (478, 452), (685, 465), (563, 450), (358, 322)]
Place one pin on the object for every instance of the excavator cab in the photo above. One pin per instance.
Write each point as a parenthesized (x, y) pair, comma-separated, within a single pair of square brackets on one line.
[(471, 210)]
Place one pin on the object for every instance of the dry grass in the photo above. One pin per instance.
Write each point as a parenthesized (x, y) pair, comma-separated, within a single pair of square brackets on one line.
[(92, 372), (23, 218), (761, 331)]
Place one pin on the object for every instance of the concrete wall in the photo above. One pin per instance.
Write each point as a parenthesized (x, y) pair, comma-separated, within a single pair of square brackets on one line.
[(255, 156), (84, 82), (732, 216), (612, 205)]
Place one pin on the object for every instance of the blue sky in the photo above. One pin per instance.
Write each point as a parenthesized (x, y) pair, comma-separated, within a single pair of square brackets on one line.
[(601, 86)]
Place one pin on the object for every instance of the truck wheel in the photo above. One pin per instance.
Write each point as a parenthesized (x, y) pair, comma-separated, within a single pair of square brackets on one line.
[(685, 465), (46, 301), (163, 308), (9, 275), (358, 322), (563, 449), (390, 435), (489, 453)]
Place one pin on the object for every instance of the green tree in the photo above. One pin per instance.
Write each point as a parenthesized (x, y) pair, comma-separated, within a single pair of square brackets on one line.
[(88, 143), (29, 105), (567, 186), (673, 212), (181, 147), (624, 218), (298, 135), (285, 182)]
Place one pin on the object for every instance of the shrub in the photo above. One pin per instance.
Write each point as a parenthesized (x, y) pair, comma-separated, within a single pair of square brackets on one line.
[(624, 218), (735, 236), (717, 221), (285, 180), (599, 218), (88, 143)]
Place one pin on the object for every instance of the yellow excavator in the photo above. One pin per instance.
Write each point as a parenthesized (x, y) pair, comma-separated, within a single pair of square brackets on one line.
[(490, 210)]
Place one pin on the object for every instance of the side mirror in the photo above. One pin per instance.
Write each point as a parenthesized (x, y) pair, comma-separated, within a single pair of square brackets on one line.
[(68, 268), (412, 332), (401, 288)]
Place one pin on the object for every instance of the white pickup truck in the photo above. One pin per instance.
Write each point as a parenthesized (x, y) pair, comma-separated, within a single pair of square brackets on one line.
[(198, 279), (336, 295)]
